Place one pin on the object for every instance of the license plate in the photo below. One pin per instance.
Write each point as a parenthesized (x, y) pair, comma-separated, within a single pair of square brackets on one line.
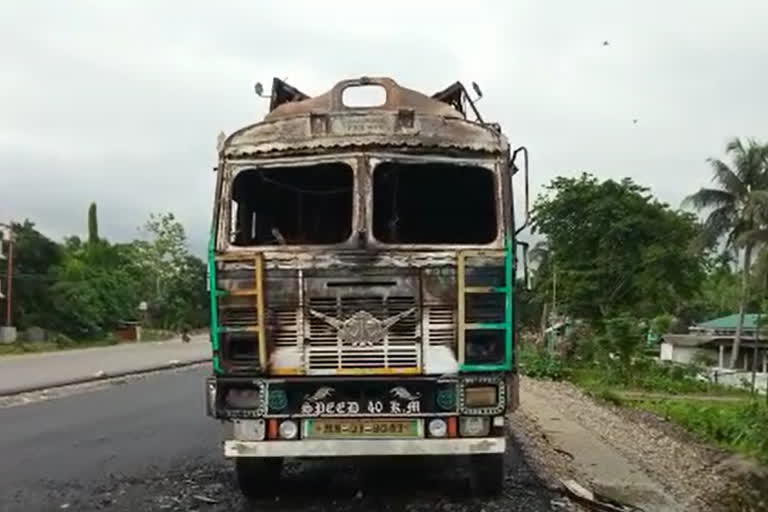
[(362, 428)]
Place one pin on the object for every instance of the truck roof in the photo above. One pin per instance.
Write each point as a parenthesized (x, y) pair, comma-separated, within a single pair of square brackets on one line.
[(298, 123)]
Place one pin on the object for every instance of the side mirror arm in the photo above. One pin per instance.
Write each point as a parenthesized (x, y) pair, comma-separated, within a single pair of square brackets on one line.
[(514, 170)]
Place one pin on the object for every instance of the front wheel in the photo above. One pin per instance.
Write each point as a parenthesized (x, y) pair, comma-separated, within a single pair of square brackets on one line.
[(487, 475), (257, 477)]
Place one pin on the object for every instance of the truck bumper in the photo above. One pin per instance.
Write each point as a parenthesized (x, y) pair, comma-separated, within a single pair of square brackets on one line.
[(352, 448)]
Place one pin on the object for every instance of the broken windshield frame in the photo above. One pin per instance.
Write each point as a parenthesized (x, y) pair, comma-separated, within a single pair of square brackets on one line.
[(491, 165), (363, 168), (275, 239)]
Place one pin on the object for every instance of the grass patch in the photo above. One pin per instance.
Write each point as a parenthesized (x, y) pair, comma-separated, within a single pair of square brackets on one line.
[(649, 376), (607, 395), (737, 426), (156, 335)]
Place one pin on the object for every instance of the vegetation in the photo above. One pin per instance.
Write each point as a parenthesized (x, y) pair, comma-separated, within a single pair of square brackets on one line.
[(740, 426), (631, 268), (540, 364), (735, 209), (82, 290), (614, 249)]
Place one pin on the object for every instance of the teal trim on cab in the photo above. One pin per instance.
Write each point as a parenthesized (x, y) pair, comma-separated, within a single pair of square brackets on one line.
[(214, 329)]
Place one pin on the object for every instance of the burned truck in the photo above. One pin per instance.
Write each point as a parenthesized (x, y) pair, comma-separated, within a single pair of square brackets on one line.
[(361, 272)]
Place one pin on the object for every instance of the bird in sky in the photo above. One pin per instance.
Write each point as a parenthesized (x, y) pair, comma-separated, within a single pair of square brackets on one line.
[(605, 43)]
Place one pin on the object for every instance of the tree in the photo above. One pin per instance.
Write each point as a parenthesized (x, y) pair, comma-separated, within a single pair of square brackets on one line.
[(172, 279), (733, 208), (34, 254), (94, 287), (624, 337), (616, 249), (93, 225)]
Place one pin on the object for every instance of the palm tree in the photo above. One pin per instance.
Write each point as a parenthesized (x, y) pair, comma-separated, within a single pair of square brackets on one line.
[(735, 208)]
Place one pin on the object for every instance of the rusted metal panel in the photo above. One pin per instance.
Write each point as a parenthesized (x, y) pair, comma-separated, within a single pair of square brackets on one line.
[(397, 97), (350, 130), (407, 119)]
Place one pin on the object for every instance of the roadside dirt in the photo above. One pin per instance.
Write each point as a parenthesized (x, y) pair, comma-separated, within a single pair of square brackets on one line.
[(633, 456)]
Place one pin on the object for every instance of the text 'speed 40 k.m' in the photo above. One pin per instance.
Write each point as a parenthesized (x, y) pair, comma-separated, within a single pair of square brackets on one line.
[(361, 271)]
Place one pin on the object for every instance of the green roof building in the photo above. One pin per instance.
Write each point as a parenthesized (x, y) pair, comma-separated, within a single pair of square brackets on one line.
[(727, 325)]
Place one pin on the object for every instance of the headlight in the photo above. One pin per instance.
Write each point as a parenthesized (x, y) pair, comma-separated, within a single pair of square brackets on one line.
[(289, 429), (474, 426), (480, 396), (243, 398), (437, 428)]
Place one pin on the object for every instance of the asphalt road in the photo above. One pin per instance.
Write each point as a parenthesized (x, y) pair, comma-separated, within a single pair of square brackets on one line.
[(147, 445), (56, 368)]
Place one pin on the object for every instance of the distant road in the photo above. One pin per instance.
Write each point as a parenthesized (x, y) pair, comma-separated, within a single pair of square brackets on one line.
[(56, 368)]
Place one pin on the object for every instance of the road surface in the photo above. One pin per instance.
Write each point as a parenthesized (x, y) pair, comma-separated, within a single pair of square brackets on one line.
[(55, 368), (146, 444)]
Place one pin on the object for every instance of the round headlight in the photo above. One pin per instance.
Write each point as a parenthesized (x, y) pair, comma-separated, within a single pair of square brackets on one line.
[(437, 428), (289, 429)]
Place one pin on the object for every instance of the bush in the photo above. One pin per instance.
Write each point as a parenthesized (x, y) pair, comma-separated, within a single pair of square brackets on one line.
[(540, 364), (651, 375)]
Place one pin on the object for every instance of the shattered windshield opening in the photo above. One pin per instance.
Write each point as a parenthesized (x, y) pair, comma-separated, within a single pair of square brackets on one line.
[(296, 205), (433, 203)]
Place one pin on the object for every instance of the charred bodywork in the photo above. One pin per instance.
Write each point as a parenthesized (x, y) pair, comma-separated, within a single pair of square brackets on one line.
[(361, 275)]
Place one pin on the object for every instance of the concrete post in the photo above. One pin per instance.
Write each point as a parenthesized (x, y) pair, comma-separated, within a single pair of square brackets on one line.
[(721, 357)]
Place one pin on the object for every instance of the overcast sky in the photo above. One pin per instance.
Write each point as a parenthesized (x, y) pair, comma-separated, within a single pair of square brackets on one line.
[(120, 102)]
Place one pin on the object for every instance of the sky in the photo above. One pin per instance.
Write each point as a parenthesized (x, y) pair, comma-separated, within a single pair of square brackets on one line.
[(121, 102)]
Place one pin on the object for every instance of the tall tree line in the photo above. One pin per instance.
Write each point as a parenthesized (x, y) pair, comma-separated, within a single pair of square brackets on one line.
[(82, 289)]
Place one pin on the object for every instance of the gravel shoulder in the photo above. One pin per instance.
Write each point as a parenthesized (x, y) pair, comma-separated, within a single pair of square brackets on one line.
[(627, 454)]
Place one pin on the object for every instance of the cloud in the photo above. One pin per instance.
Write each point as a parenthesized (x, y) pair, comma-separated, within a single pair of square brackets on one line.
[(121, 103)]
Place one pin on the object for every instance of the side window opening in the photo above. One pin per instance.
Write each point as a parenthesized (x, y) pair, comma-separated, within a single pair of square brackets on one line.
[(433, 203), (296, 205)]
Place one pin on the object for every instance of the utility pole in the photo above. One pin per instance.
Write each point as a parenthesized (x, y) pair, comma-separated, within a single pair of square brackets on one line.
[(756, 351), (554, 290), (7, 230)]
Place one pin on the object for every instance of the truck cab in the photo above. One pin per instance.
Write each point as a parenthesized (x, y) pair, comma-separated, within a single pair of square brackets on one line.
[(361, 273)]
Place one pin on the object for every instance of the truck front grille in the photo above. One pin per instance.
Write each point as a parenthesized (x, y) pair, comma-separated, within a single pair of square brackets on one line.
[(399, 349), (440, 324)]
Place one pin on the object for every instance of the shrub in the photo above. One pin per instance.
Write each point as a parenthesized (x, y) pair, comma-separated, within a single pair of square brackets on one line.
[(540, 364)]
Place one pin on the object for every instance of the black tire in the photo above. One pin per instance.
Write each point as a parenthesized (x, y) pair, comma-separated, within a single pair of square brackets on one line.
[(487, 477), (257, 477)]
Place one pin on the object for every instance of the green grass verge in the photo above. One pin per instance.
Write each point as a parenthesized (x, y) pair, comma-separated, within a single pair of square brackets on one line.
[(740, 426)]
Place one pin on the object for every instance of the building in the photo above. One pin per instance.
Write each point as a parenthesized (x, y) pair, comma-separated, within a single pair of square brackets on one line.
[(712, 341)]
